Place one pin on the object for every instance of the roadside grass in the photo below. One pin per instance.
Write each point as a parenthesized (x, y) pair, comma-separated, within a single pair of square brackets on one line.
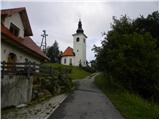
[(130, 105), (76, 73)]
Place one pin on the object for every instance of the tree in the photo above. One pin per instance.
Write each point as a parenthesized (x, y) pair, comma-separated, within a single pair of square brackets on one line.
[(129, 54), (149, 24), (53, 53)]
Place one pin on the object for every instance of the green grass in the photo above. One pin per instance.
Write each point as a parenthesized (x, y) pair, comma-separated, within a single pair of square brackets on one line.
[(77, 73), (130, 105)]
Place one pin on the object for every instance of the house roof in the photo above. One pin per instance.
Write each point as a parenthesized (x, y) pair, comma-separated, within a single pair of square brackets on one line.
[(68, 52), (25, 42), (23, 15)]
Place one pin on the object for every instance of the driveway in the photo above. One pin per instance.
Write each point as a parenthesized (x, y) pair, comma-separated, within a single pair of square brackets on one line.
[(87, 102)]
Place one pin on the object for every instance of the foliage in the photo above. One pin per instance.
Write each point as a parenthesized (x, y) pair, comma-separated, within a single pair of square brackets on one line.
[(149, 24), (88, 67), (130, 105), (129, 54), (53, 53), (58, 82)]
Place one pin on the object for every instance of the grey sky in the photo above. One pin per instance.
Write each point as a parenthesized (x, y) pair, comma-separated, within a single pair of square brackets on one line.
[(60, 19)]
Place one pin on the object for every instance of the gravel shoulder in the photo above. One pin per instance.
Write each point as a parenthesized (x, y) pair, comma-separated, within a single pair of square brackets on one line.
[(41, 110)]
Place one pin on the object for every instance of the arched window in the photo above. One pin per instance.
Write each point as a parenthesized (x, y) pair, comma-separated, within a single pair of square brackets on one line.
[(12, 58), (70, 61), (77, 39), (65, 60)]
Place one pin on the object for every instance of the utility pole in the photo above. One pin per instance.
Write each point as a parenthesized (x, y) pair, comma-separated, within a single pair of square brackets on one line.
[(44, 43)]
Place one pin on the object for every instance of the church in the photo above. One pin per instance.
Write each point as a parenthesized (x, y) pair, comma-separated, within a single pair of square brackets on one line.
[(76, 55)]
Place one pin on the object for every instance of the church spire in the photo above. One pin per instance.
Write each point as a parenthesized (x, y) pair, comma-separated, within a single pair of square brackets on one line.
[(79, 30)]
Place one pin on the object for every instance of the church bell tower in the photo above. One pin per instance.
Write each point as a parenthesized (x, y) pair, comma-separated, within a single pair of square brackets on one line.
[(79, 46)]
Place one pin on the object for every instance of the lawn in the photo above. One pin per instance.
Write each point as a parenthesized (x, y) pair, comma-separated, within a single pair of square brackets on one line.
[(130, 105), (77, 73)]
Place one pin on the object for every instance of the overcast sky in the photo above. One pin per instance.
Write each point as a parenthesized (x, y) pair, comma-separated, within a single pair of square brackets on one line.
[(60, 19)]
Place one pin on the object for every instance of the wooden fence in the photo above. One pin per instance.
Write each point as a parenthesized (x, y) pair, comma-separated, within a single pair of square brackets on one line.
[(28, 69), (25, 68)]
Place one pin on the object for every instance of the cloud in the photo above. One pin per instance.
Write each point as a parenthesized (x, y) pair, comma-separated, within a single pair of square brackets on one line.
[(60, 19)]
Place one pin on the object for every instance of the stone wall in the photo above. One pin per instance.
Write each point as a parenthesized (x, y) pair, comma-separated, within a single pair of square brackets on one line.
[(15, 90)]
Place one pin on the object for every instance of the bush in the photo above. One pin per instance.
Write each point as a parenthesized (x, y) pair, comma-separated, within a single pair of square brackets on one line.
[(56, 83), (129, 54)]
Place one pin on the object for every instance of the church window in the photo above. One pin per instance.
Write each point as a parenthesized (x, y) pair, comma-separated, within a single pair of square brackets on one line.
[(70, 61), (77, 39), (14, 29), (65, 60)]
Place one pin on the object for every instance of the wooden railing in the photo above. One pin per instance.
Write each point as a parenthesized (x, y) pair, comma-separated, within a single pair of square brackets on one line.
[(25, 68), (28, 69)]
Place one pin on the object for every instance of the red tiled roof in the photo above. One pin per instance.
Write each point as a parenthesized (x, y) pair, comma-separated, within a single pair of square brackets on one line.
[(23, 15), (25, 42), (68, 52)]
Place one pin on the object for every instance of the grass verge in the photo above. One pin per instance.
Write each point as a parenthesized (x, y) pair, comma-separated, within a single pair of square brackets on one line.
[(130, 105), (77, 73)]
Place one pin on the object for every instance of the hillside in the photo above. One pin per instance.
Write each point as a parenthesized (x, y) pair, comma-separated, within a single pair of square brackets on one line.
[(76, 73)]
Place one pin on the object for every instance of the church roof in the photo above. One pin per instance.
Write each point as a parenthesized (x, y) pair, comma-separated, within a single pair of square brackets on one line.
[(68, 52), (80, 29)]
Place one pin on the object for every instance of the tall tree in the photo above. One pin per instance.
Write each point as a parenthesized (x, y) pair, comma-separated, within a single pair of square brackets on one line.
[(53, 52), (129, 54)]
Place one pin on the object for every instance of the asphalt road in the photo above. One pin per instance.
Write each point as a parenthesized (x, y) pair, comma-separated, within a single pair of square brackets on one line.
[(86, 102)]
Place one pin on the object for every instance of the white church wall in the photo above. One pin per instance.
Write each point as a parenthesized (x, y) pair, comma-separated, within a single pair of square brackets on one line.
[(79, 49), (68, 58), (16, 20)]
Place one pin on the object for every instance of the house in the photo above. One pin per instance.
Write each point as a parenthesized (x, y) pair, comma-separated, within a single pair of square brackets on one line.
[(77, 55), (16, 43), (17, 46)]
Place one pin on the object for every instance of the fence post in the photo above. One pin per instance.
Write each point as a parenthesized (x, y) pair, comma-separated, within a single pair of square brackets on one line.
[(28, 69), (34, 66), (3, 68), (50, 69)]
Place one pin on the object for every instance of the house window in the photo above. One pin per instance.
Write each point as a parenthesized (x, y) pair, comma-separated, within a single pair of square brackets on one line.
[(26, 60), (77, 50), (14, 29), (65, 60), (20, 57), (4, 51), (77, 39)]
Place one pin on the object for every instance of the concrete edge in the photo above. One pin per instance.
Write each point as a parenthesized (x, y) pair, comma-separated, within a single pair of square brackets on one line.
[(56, 107)]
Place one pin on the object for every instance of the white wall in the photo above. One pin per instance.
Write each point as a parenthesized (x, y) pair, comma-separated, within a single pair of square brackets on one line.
[(6, 49), (81, 47), (67, 60), (16, 20)]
